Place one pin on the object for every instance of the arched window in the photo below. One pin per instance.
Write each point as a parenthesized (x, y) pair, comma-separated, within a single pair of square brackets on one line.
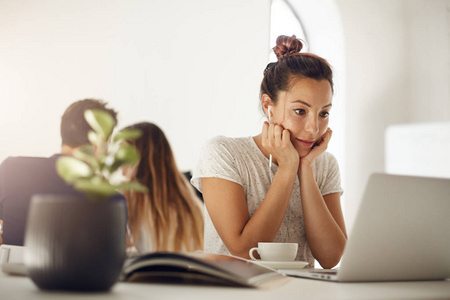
[(284, 21)]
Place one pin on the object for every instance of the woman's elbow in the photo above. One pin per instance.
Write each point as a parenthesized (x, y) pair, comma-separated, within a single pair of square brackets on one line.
[(329, 263), (239, 251), (332, 259), (238, 248)]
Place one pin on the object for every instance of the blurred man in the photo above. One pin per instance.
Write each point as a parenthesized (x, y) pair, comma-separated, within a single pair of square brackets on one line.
[(22, 177)]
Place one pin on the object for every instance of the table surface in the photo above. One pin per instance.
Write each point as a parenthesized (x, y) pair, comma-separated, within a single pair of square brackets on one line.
[(17, 287)]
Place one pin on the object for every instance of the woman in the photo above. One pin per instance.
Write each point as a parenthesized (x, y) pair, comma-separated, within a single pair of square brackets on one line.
[(169, 216), (298, 199)]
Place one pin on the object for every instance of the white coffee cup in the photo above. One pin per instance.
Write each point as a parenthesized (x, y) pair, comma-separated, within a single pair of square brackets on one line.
[(275, 251)]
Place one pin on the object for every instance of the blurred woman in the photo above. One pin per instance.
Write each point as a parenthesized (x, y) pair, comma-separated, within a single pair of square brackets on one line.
[(169, 216)]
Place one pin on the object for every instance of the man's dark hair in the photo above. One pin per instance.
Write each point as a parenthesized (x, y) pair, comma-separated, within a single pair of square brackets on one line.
[(74, 128)]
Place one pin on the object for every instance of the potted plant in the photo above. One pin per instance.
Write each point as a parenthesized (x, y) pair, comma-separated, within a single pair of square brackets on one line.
[(78, 242)]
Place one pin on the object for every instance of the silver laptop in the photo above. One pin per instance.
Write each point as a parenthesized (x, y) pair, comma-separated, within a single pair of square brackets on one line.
[(401, 232)]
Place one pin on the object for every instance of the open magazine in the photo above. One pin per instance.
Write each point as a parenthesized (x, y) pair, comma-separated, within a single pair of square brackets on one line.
[(200, 268)]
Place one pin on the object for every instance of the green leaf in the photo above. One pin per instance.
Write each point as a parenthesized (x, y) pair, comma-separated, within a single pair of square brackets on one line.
[(94, 138), (86, 153), (132, 185), (115, 166), (101, 121), (127, 134), (95, 188), (87, 149), (92, 167), (127, 154), (70, 168)]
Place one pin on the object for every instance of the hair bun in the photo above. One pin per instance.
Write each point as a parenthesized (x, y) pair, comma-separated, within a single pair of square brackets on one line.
[(286, 46)]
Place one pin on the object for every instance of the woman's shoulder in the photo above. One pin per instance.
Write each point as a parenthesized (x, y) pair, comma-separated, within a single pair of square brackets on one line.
[(226, 139), (222, 157), (326, 158), (219, 139), (232, 151), (324, 164), (228, 142)]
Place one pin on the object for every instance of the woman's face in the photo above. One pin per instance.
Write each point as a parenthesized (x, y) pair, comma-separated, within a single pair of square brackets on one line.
[(304, 111)]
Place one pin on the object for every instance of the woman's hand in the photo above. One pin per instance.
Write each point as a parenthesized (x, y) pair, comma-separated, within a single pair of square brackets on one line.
[(320, 147), (277, 141)]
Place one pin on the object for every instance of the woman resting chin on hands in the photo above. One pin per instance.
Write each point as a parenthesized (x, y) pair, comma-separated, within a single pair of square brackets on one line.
[(296, 200)]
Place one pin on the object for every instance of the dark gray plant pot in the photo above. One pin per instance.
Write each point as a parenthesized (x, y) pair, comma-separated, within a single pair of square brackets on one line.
[(75, 244)]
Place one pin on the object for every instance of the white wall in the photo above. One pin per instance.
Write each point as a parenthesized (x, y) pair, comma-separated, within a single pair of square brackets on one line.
[(398, 64), (193, 67), (429, 60), (419, 149)]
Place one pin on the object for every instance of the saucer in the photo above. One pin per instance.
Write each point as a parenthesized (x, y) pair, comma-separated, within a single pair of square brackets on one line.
[(282, 264)]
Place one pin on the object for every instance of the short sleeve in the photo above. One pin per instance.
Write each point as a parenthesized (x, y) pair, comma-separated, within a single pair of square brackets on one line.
[(328, 179), (217, 160)]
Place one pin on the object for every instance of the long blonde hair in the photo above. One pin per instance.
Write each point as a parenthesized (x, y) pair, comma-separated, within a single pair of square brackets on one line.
[(169, 213)]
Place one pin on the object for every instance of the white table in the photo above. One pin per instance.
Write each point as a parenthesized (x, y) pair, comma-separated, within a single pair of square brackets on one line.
[(13, 287)]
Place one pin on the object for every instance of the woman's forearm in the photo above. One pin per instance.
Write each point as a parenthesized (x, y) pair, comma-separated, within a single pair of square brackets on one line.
[(325, 237), (266, 221)]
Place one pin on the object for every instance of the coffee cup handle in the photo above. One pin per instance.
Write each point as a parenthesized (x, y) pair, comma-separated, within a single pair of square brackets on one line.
[(251, 253)]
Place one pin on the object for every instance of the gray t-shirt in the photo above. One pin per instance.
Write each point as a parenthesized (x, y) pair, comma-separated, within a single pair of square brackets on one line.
[(241, 161)]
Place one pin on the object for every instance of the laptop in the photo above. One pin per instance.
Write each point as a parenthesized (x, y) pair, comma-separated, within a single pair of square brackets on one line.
[(401, 233)]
